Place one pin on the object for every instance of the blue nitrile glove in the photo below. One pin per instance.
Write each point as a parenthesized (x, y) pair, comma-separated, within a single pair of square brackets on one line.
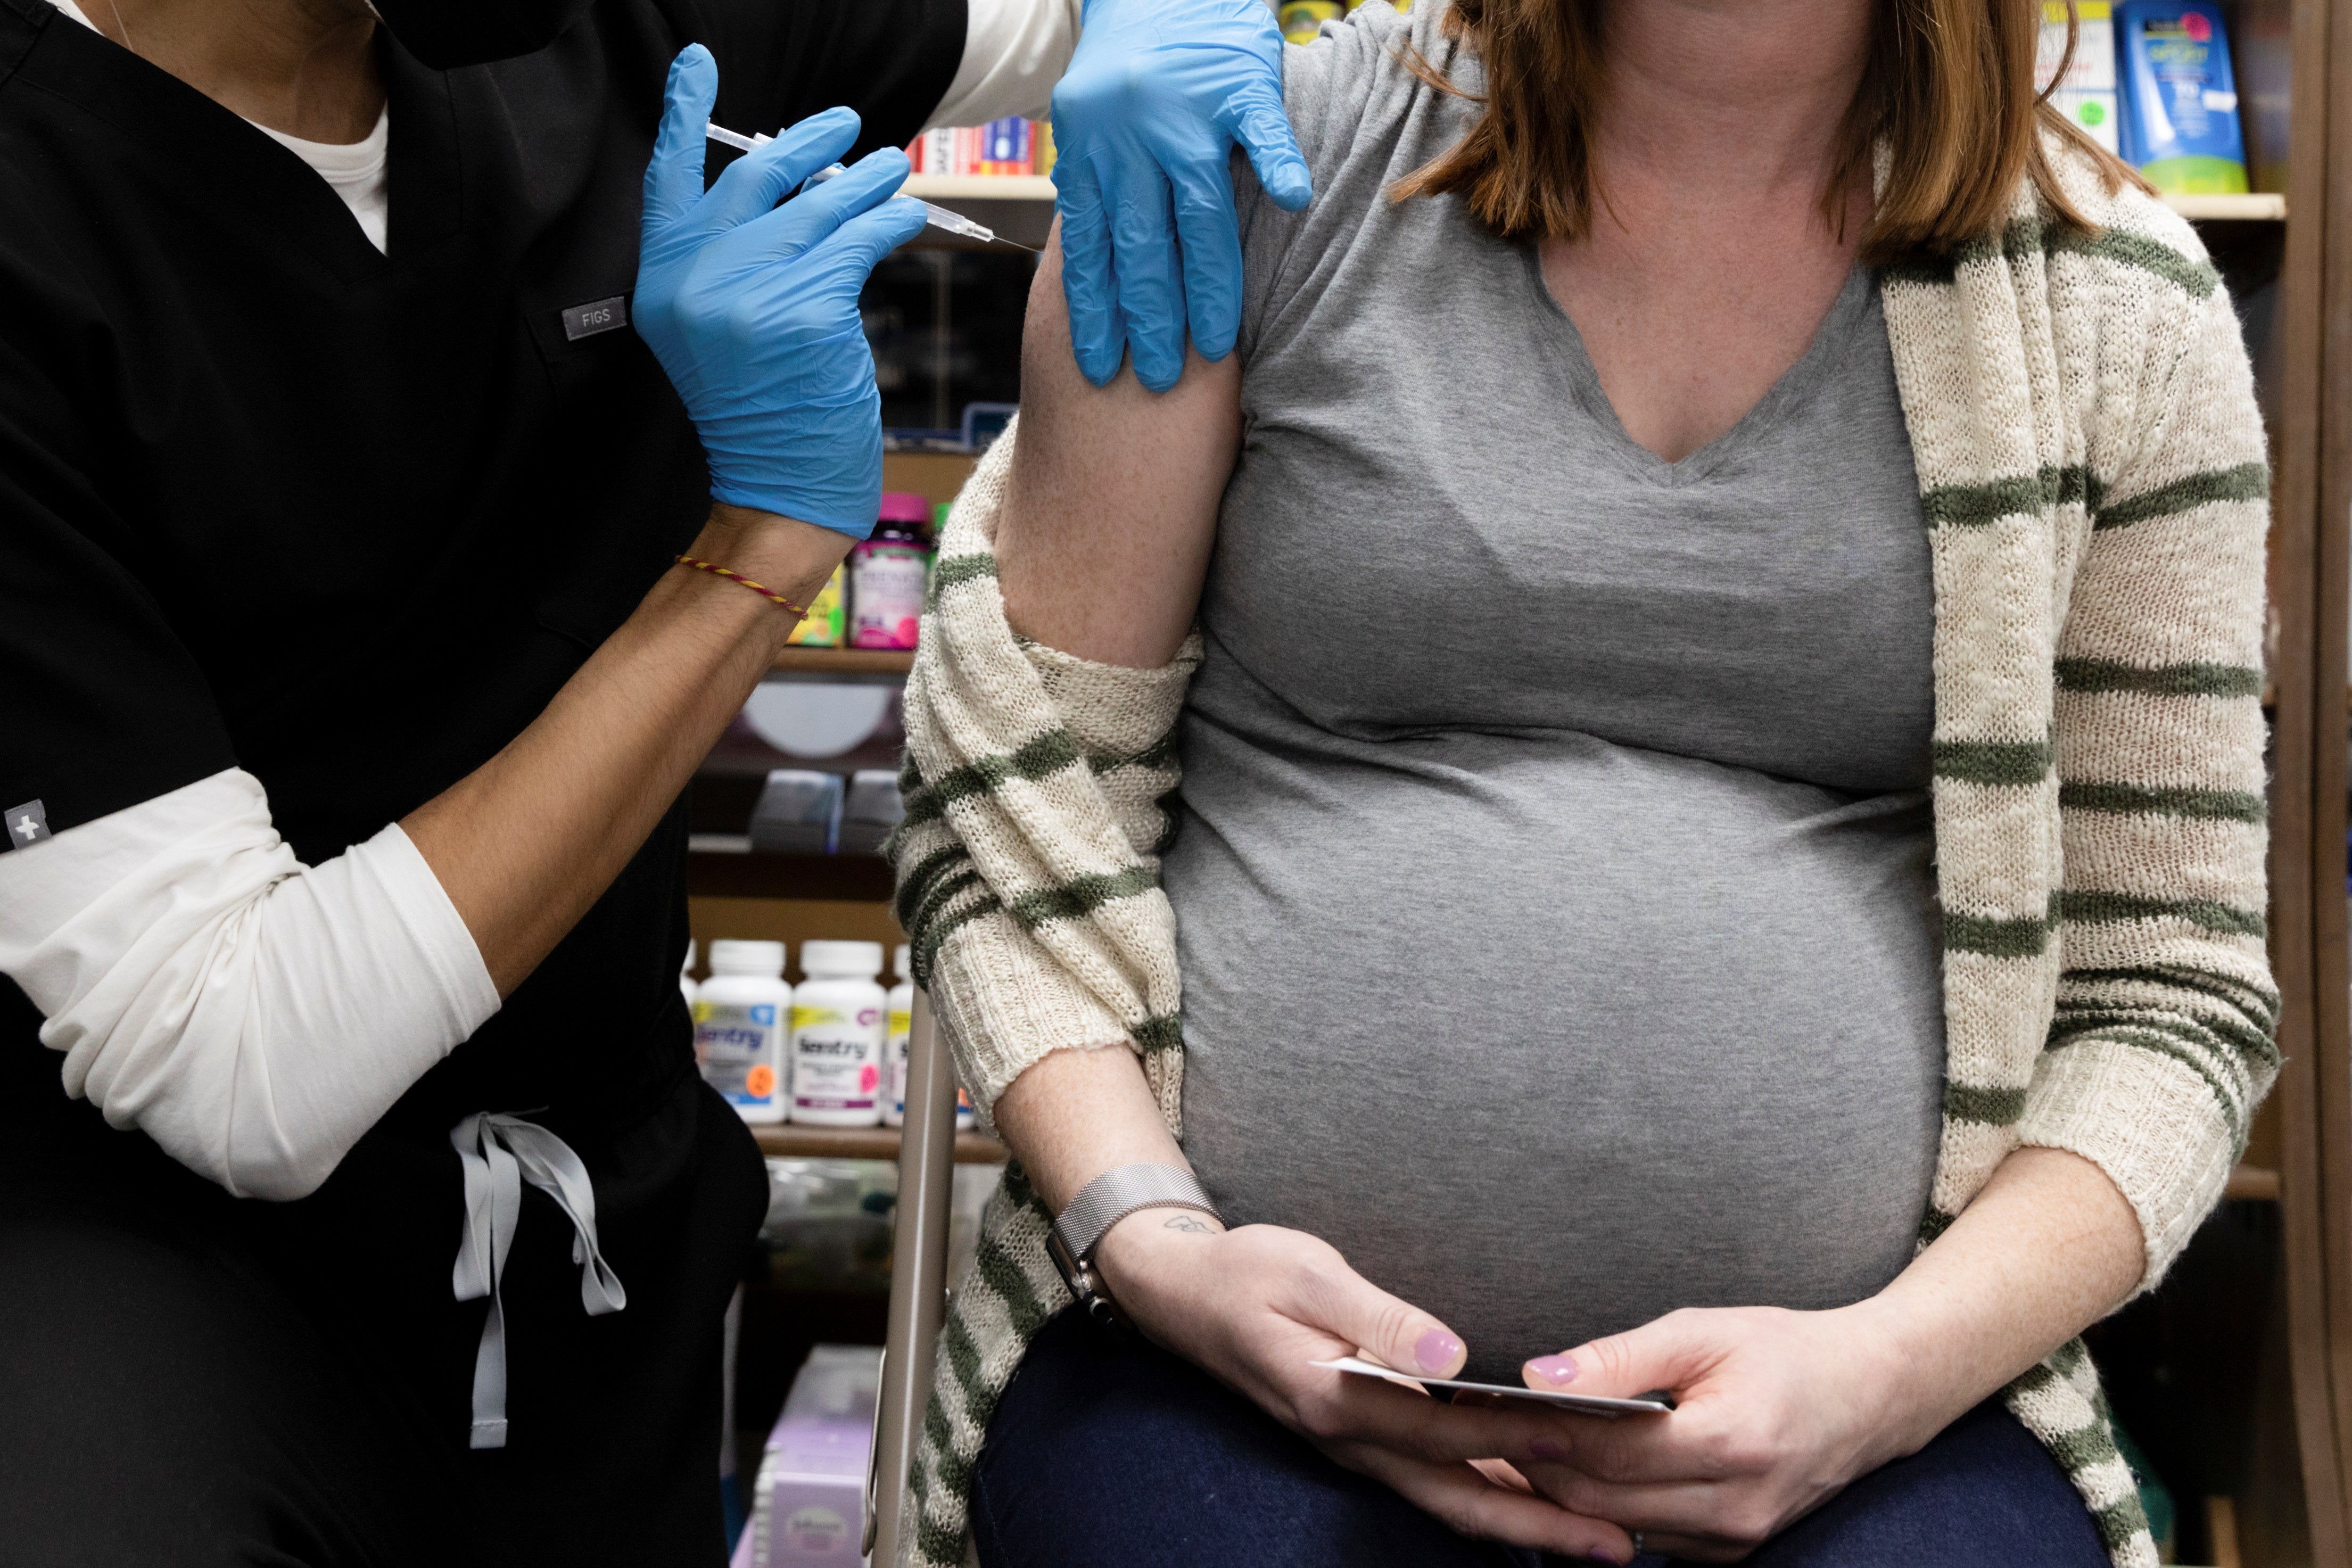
[(752, 307), (1156, 95)]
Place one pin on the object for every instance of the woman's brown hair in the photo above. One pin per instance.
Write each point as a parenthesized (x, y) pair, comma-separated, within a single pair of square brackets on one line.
[(1949, 88)]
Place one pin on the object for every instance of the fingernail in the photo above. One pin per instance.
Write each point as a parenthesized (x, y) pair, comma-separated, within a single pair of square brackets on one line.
[(1545, 1449), (1553, 1368), (1435, 1350)]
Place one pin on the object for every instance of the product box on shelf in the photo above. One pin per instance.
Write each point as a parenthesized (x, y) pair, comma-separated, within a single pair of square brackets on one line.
[(1009, 146), (809, 1503), (823, 626), (2085, 93)]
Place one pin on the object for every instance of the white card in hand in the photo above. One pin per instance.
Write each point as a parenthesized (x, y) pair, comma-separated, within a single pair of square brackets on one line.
[(1587, 1404)]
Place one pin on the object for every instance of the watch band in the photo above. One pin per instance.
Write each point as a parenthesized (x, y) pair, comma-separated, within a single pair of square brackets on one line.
[(1118, 1193)]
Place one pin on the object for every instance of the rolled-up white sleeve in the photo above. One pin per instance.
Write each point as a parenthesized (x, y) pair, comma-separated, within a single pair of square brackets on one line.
[(1013, 53), (252, 1014)]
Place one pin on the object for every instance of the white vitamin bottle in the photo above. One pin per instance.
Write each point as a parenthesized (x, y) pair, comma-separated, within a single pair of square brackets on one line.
[(839, 1025), (902, 1028), (742, 1016), (686, 976)]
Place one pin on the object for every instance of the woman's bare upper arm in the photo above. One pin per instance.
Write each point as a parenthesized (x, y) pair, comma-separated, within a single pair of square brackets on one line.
[(1111, 505)]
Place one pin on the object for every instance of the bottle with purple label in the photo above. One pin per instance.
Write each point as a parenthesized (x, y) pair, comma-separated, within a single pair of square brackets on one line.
[(886, 575), (840, 1023)]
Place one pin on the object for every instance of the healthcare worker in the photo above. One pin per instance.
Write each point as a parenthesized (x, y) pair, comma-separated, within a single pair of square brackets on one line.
[(359, 1201)]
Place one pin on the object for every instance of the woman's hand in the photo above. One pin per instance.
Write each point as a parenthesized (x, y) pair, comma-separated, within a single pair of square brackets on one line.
[(1775, 1412), (1778, 1411), (1255, 1305)]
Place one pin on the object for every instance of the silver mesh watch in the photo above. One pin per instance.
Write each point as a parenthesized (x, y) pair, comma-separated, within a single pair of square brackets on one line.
[(1102, 1204)]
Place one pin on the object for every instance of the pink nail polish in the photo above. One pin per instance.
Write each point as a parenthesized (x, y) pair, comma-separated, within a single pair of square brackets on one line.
[(1553, 1368), (1435, 1350)]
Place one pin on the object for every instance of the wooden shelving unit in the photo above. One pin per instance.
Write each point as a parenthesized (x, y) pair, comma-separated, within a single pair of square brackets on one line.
[(790, 1142), (2252, 1183), (714, 872), (2261, 206), (835, 663)]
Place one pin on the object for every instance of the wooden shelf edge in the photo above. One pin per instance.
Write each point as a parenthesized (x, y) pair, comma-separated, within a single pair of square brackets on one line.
[(722, 874), (2261, 206), (2252, 1183), (2258, 207), (844, 661), (979, 188), (789, 1143)]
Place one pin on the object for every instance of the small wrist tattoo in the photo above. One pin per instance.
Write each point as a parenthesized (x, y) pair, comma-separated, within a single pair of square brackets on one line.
[(1191, 1223)]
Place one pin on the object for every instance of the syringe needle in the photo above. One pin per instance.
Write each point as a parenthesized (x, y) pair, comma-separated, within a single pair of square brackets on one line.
[(939, 217)]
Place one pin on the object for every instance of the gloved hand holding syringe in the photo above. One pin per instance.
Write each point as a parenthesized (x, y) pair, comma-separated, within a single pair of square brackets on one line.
[(954, 223)]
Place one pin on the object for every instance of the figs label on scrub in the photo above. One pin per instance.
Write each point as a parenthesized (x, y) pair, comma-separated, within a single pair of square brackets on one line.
[(835, 1052)]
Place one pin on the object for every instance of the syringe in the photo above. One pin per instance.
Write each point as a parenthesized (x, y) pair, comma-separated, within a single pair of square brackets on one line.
[(954, 223)]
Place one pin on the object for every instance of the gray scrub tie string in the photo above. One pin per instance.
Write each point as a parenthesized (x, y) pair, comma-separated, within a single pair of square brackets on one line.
[(499, 1153)]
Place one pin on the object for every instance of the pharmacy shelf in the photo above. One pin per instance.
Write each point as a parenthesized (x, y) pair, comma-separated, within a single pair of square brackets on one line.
[(789, 1143), (2262, 207), (723, 866), (979, 188), (824, 663), (2252, 1183)]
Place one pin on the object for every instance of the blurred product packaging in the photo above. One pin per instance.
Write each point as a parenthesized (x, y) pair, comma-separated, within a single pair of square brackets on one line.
[(799, 812), (870, 811), (809, 1502), (829, 1223)]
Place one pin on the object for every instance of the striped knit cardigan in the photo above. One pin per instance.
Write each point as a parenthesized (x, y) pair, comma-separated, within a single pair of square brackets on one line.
[(2093, 480)]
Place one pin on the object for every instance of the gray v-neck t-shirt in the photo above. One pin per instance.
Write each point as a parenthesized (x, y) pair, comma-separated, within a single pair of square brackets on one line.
[(1552, 878)]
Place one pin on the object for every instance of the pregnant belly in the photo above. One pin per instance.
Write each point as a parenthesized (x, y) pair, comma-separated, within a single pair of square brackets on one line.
[(1552, 1036)]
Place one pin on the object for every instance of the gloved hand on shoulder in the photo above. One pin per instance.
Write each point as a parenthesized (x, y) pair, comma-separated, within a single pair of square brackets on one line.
[(1144, 122), (752, 307)]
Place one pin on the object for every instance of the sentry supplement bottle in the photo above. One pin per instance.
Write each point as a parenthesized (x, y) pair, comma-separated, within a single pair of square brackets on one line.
[(838, 1029), (885, 575), (894, 1055), (741, 1015), (685, 976)]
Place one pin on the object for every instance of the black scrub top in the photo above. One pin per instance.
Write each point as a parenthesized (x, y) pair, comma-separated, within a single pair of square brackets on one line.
[(270, 499)]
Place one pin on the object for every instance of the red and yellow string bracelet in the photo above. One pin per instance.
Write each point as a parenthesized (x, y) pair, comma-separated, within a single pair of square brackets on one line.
[(800, 611)]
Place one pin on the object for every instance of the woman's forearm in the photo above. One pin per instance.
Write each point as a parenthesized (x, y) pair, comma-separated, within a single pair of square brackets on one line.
[(1074, 1114), (525, 843), (2047, 1248)]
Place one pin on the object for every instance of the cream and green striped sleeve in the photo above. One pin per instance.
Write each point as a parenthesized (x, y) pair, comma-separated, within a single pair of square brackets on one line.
[(2163, 1038), (1028, 870)]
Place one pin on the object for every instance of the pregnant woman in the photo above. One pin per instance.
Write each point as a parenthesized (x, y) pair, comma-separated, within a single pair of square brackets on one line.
[(1720, 745)]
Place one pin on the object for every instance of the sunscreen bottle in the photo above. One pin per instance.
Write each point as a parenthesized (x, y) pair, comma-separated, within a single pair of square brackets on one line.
[(740, 1016), (838, 1029), (2179, 97)]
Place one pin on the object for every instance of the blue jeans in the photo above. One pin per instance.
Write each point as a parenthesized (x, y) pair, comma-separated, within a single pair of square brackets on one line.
[(1111, 1451)]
